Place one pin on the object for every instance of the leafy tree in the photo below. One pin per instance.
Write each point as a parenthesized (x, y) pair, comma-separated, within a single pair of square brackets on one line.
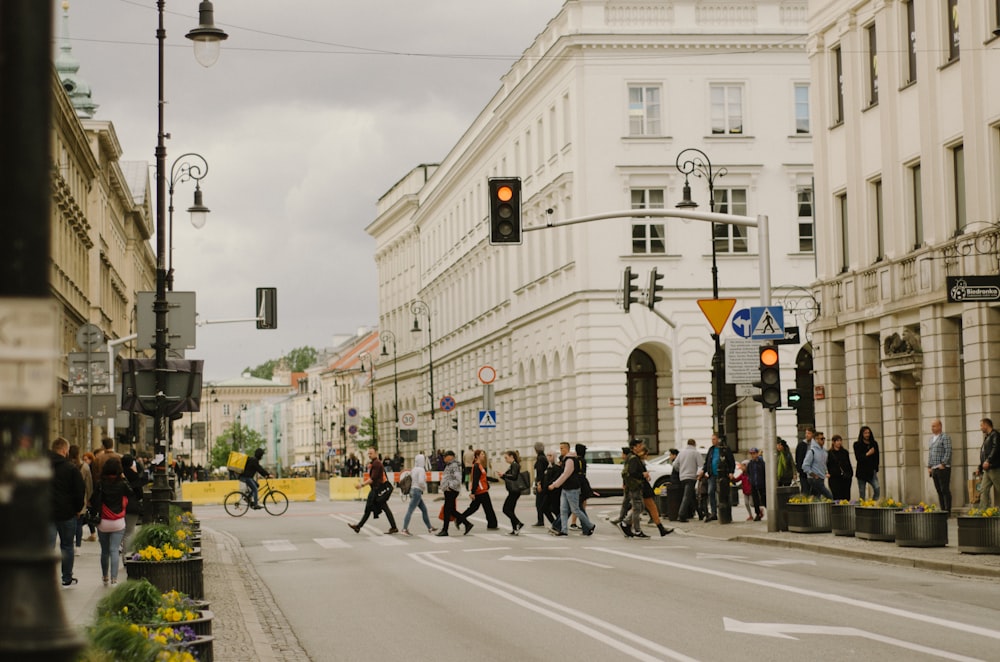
[(239, 438), (301, 358), (264, 370), (365, 436)]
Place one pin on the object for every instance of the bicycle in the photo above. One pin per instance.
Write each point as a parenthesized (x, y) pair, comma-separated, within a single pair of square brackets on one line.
[(275, 502)]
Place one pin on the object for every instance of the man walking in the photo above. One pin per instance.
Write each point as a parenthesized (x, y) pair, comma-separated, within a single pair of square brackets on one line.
[(451, 484), (67, 502), (801, 449), (686, 468), (755, 472), (989, 464), (939, 464), (814, 466), (718, 463), (570, 482), (468, 457), (866, 460), (375, 503), (541, 464)]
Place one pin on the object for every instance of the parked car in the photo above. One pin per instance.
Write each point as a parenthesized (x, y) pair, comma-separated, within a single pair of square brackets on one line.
[(604, 469)]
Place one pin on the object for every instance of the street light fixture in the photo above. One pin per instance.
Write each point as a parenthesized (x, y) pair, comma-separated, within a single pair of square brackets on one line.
[(389, 336), (365, 356), (206, 36), (187, 167), (417, 308)]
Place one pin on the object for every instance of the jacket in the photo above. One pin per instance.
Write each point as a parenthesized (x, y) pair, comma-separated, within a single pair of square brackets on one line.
[(541, 464), (451, 479), (786, 467), (866, 466), (686, 464), (814, 465), (510, 477), (726, 463), (67, 488), (109, 491), (418, 475), (838, 464), (571, 473), (755, 472), (479, 483), (990, 451)]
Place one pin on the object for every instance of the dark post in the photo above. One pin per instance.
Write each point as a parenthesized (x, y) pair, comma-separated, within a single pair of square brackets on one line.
[(33, 625)]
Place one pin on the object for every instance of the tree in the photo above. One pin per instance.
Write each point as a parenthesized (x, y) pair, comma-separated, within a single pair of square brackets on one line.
[(238, 438), (298, 360), (264, 370), (365, 436)]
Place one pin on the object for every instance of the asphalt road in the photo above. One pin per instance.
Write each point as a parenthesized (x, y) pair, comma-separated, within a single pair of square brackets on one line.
[(492, 596)]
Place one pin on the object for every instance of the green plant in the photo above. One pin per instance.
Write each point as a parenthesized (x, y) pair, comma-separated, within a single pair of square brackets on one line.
[(154, 535), (808, 498), (132, 601), (992, 511), (122, 641), (888, 502)]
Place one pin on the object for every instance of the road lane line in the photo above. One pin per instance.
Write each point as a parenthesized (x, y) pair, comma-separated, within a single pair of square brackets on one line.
[(278, 546), (332, 543), (573, 618), (831, 597), (486, 549)]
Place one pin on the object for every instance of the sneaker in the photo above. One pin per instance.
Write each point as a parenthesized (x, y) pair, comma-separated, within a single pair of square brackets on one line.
[(442, 534), (114, 580), (431, 530), (468, 527), (355, 527), (512, 532), (518, 527), (256, 507), (625, 529), (91, 538), (74, 580), (392, 531), (557, 533), (575, 526), (590, 531), (640, 534), (664, 531), (105, 582), (406, 533), (616, 521), (749, 518)]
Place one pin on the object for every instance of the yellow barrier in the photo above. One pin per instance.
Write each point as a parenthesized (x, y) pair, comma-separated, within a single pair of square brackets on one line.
[(345, 489), (201, 493)]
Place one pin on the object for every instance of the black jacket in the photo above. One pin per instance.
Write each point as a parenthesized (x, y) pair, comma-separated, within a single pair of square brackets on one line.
[(838, 464), (67, 488), (108, 491), (253, 468), (135, 482), (541, 464), (866, 465)]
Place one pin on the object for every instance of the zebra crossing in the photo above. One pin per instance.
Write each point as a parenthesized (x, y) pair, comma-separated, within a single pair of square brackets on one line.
[(376, 537)]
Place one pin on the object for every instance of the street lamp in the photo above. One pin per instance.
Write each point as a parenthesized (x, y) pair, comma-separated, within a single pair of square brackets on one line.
[(315, 438), (206, 37), (418, 307), (181, 171), (391, 337), (365, 356)]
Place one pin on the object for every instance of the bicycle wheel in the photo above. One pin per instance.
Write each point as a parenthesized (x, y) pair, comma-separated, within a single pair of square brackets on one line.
[(275, 502), (236, 504)]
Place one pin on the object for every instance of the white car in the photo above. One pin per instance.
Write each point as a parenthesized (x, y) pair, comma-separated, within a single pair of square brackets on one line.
[(604, 469)]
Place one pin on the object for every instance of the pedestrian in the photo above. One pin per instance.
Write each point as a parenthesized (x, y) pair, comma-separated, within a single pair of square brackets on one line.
[(111, 496), (838, 465), (939, 464), (866, 463), (73, 456), (418, 485), (989, 464), (378, 495), (541, 464), (814, 465), (553, 496), (479, 486), (352, 466), (758, 483), (742, 481), (719, 465), (801, 449), (569, 482), (133, 510), (468, 459), (786, 463), (586, 491), (510, 479), (67, 502), (626, 507), (636, 481), (451, 485), (685, 467), (701, 494), (101, 455)]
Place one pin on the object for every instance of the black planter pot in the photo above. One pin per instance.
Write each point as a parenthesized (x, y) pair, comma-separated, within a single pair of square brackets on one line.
[(875, 523), (184, 575), (843, 519), (979, 535), (810, 517), (922, 529)]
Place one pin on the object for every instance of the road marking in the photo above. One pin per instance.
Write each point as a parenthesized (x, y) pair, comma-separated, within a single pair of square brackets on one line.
[(785, 630), (332, 543), (486, 549), (441, 540), (387, 540), (776, 562), (573, 618), (726, 557), (554, 558), (278, 546), (883, 610)]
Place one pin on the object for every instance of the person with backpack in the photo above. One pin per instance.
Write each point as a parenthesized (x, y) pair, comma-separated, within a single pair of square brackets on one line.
[(112, 494), (479, 486), (570, 482), (415, 483), (511, 480), (249, 476), (378, 495)]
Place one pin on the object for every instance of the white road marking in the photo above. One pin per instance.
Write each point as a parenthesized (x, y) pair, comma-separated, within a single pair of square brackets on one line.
[(278, 546), (387, 540), (441, 540), (776, 562), (332, 543), (554, 558), (486, 549)]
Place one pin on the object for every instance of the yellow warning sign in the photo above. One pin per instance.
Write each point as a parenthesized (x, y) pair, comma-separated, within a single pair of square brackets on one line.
[(717, 312)]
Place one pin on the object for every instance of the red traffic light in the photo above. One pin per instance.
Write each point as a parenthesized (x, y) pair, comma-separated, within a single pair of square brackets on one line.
[(505, 193), (768, 356)]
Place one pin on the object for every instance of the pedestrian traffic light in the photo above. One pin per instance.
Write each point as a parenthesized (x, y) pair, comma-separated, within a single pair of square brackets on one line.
[(652, 293), (630, 289), (454, 422), (267, 308), (505, 210), (770, 378), (794, 398)]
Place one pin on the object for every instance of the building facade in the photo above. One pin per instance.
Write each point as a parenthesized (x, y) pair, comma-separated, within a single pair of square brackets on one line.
[(907, 146)]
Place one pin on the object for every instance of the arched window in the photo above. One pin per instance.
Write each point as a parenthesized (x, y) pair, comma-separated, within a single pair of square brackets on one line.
[(643, 411)]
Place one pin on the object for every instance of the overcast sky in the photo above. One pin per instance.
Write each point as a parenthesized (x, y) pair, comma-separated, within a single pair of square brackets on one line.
[(313, 111)]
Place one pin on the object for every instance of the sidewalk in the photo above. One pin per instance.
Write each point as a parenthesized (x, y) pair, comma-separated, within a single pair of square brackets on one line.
[(246, 626)]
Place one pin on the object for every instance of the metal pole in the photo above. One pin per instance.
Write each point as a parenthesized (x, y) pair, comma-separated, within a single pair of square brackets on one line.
[(420, 308), (770, 423)]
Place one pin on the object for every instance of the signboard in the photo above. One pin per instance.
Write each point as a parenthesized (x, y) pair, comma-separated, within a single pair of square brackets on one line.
[(741, 322), (717, 312), (102, 405), (487, 374), (792, 336), (972, 289), (487, 418), (742, 361), (407, 420), (29, 343), (767, 323), (448, 403), (180, 320), (746, 390)]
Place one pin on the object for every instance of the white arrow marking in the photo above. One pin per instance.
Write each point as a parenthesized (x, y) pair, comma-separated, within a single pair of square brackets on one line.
[(785, 630), (554, 558)]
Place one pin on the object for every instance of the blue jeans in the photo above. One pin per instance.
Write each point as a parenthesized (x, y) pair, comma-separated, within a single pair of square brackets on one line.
[(251, 484), (416, 501), (713, 500), (570, 502), (818, 487), (873, 482), (110, 542), (66, 532)]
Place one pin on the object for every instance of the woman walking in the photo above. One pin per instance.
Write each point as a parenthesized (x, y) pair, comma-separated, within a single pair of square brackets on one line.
[(133, 511), (510, 478), (479, 486), (111, 496), (838, 464), (418, 485)]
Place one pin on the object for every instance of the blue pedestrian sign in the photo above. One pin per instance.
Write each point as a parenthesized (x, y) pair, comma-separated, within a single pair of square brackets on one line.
[(767, 323), (487, 418), (741, 322)]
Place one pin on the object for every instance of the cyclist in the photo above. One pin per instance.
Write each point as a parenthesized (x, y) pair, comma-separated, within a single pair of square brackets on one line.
[(249, 476)]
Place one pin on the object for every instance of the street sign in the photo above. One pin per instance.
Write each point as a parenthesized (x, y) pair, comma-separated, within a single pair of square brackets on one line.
[(89, 336), (742, 361), (102, 405), (407, 420), (746, 390), (487, 418), (29, 344), (448, 403), (717, 312), (741, 322), (965, 289), (791, 336), (180, 320), (487, 374), (767, 323)]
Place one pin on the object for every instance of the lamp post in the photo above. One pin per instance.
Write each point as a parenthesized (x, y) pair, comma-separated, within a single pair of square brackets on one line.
[(418, 307), (186, 167), (365, 356), (309, 399), (206, 38), (391, 337)]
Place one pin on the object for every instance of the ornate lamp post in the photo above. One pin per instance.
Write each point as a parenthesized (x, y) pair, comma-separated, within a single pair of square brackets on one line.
[(365, 356), (418, 307), (186, 167), (389, 336)]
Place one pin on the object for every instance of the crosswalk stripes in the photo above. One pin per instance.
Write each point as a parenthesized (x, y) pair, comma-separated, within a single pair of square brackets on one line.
[(332, 543), (386, 540), (278, 545)]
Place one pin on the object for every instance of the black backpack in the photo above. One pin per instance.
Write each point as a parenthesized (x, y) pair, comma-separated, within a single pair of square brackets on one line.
[(405, 483)]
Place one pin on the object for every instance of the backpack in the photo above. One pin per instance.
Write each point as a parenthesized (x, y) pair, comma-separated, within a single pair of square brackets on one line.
[(405, 483)]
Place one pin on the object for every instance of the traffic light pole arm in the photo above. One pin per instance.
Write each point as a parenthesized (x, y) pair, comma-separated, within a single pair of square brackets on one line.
[(683, 214)]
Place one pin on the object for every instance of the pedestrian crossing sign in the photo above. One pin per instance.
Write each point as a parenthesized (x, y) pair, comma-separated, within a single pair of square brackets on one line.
[(487, 418), (767, 323)]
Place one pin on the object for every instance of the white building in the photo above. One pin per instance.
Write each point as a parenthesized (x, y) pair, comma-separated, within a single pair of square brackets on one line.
[(592, 118), (907, 117)]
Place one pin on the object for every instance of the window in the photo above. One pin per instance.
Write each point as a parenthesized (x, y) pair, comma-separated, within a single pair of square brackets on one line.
[(225, 410), (727, 109), (952, 36), (958, 184), (872, 65), (643, 110), (802, 108), (911, 38), (838, 75), (879, 220), (553, 136), (805, 214), (730, 238), (647, 237), (918, 209), (845, 251)]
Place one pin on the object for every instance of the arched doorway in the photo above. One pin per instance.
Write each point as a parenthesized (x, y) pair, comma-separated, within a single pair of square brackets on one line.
[(643, 404)]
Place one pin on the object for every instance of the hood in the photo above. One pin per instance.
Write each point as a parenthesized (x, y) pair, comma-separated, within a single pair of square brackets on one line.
[(419, 462)]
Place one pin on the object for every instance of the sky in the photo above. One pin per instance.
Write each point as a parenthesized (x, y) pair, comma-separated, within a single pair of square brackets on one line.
[(313, 111)]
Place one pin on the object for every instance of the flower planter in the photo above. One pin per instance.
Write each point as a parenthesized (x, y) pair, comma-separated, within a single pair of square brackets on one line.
[(810, 517), (875, 523), (201, 626), (922, 529), (201, 648), (843, 519), (979, 535), (184, 575)]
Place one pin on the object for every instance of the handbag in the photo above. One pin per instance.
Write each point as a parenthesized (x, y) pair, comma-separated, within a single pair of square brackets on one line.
[(441, 515), (523, 483), (383, 491), (975, 483)]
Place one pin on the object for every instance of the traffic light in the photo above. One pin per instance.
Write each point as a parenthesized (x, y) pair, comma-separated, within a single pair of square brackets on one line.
[(505, 210), (770, 378), (794, 398), (654, 289), (630, 290), (454, 422), (267, 308)]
